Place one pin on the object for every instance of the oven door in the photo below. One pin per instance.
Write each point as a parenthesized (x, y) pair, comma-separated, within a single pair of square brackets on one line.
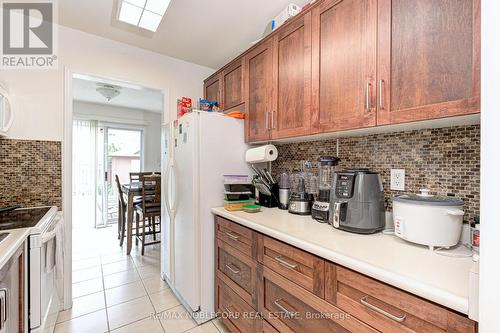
[(44, 299)]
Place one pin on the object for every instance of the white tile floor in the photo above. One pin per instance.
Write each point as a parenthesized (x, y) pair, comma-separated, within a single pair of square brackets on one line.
[(113, 292)]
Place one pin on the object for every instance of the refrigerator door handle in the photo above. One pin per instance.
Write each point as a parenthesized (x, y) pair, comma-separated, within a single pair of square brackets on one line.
[(170, 174), (167, 191)]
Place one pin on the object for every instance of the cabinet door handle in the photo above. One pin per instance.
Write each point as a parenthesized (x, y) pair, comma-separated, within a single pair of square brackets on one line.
[(292, 314), (364, 301), (234, 270), (285, 263), (232, 236), (4, 304), (367, 97), (381, 94), (267, 120), (273, 126)]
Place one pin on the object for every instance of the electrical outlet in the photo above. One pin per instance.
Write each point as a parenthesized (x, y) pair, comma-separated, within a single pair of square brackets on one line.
[(398, 179)]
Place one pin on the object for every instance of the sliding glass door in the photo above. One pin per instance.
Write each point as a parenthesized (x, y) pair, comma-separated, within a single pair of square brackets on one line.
[(123, 154), (100, 152)]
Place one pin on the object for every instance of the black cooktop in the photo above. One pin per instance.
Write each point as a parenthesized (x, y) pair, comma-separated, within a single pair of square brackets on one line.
[(22, 218)]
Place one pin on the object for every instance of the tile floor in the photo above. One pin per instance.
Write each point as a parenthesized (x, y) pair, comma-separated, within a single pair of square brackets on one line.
[(113, 292)]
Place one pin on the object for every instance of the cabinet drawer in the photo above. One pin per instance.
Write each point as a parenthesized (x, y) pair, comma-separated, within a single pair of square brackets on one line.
[(290, 308), (303, 268), (236, 314), (242, 238), (238, 271), (389, 309)]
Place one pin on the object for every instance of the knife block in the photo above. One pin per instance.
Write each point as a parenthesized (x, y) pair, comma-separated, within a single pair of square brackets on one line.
[(269, 201)]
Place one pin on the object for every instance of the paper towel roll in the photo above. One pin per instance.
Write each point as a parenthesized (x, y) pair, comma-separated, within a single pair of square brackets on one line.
[(267, 153)]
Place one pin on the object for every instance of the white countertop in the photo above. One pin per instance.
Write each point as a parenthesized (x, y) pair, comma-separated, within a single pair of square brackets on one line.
[(414, 268), (10, 244)]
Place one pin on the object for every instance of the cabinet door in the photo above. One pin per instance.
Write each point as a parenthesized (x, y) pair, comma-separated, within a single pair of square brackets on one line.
[(259, 91), (213, 89), (232, 85), (292, 52), (428, 59), (344, 65)]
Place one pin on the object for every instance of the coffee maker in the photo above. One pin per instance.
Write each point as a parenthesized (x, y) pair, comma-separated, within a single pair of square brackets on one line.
[(321, 206), (357, 201)]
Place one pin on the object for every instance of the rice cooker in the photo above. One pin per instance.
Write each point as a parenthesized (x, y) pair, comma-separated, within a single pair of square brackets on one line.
[(425, 219)]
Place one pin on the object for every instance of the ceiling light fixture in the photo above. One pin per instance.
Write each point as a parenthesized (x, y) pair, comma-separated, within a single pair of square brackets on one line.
[(145, 14), (108, 91)]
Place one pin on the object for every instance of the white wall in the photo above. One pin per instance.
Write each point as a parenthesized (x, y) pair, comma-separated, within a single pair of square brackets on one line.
[(38, 95), (150, 121), (489, 279)]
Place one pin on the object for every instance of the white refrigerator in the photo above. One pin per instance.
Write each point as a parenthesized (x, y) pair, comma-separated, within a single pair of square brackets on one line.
[(198, 149)]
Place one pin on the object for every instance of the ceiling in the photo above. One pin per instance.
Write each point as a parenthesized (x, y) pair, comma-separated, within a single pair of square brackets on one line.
[(131, 96), (205, 32)]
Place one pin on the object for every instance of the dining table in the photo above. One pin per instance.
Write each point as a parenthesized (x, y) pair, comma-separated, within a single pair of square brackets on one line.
[(131, 191)]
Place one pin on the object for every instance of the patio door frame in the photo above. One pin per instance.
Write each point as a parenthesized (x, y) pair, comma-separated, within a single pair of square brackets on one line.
[(107, 181)]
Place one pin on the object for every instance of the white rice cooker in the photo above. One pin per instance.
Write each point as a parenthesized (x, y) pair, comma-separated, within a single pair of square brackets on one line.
[(429, 220)]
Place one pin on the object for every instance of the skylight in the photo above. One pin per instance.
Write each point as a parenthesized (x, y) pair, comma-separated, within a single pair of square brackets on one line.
[(146, 14)]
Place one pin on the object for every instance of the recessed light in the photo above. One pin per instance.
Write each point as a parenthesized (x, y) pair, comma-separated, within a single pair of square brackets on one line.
[(138, 3), (157, 6), (130, 14), (150, 20), (145, 14)]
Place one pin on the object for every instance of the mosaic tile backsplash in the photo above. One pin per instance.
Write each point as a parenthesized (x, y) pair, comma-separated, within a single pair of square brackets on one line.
[(30, 173), (444, 160)]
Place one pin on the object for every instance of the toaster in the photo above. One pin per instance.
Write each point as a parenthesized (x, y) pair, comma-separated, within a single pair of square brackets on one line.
[(357, 201)]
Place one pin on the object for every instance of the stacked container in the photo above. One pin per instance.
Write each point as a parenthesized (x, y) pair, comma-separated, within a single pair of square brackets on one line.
[(238, 192)]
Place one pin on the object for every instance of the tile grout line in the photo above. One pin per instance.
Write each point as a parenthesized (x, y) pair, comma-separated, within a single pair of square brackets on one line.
[(105, 300), (150, 301)]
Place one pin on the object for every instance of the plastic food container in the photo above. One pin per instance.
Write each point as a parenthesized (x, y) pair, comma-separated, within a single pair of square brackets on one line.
[(237, 188), (237, 179), (251, 208), (237, 196), (237, 205)]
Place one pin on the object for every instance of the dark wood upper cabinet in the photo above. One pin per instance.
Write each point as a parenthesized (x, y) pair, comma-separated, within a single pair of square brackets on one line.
[(429, 59), (259, 90), (352, 64), (292, 77), (344, 43), (212, 89), (233, 85)]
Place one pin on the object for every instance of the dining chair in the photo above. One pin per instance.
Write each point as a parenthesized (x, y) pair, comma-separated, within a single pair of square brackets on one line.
[(136, 176), (122, 211), (150, 211)]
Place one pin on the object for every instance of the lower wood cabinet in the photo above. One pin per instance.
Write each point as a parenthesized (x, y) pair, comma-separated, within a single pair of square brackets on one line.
[(265, 285), (238, 271), (235, 313), (389, 309), (291, 308), (299, 266)]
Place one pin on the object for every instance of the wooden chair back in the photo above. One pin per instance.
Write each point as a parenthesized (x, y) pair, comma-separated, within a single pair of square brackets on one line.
[(121, 199), (151, 194), (136, 176)]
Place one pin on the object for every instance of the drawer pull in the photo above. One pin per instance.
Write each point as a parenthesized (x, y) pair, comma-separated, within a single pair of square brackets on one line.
[(285, 263), (292, 314), (235, 271), (232, 236), (364, 301)]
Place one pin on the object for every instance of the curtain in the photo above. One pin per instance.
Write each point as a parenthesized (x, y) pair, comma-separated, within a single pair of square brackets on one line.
[(84, 173), (84, 157)]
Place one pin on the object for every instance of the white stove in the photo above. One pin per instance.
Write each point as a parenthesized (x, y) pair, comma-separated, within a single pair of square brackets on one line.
[(44, 261)]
